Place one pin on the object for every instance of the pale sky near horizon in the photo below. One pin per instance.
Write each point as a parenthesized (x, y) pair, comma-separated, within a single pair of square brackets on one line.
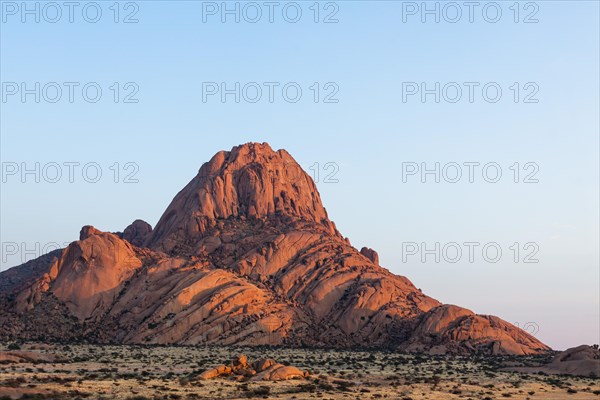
[(368, 122)]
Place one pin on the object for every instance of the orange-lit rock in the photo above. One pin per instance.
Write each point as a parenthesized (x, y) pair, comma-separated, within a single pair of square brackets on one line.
[(244, 254)]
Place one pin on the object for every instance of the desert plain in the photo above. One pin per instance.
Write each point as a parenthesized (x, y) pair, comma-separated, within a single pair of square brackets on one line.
[(135, 372)]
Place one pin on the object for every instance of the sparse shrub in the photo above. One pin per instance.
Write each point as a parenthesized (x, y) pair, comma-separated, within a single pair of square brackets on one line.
[(14, 346), (259, 391)]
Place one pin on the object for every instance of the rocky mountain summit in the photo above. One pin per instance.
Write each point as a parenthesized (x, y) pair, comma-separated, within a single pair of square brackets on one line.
[(244, 254)]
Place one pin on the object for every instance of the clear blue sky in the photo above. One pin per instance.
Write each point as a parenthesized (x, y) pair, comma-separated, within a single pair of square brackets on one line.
[(369, 133)]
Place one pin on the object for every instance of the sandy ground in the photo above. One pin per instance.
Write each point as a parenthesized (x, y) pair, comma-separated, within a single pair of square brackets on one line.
[(136, 372)]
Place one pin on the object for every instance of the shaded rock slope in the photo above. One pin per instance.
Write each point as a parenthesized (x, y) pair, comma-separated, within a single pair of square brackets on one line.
[(244, 254), (582, 360)]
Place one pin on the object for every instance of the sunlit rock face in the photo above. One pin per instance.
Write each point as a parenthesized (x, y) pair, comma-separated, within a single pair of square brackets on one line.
[(244, 254)]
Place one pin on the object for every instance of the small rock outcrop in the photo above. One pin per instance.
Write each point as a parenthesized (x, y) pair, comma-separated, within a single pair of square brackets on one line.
[(88, 231), (263, 364), (22, 356), (370, 254), (137, 233), (582, 360), (260, 370), (280, 372)]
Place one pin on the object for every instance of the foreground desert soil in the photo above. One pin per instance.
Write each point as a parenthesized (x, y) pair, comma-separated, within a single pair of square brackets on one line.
[(136, 372)]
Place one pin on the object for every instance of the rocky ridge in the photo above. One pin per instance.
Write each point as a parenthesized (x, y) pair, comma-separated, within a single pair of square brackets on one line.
[(244, 254)]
